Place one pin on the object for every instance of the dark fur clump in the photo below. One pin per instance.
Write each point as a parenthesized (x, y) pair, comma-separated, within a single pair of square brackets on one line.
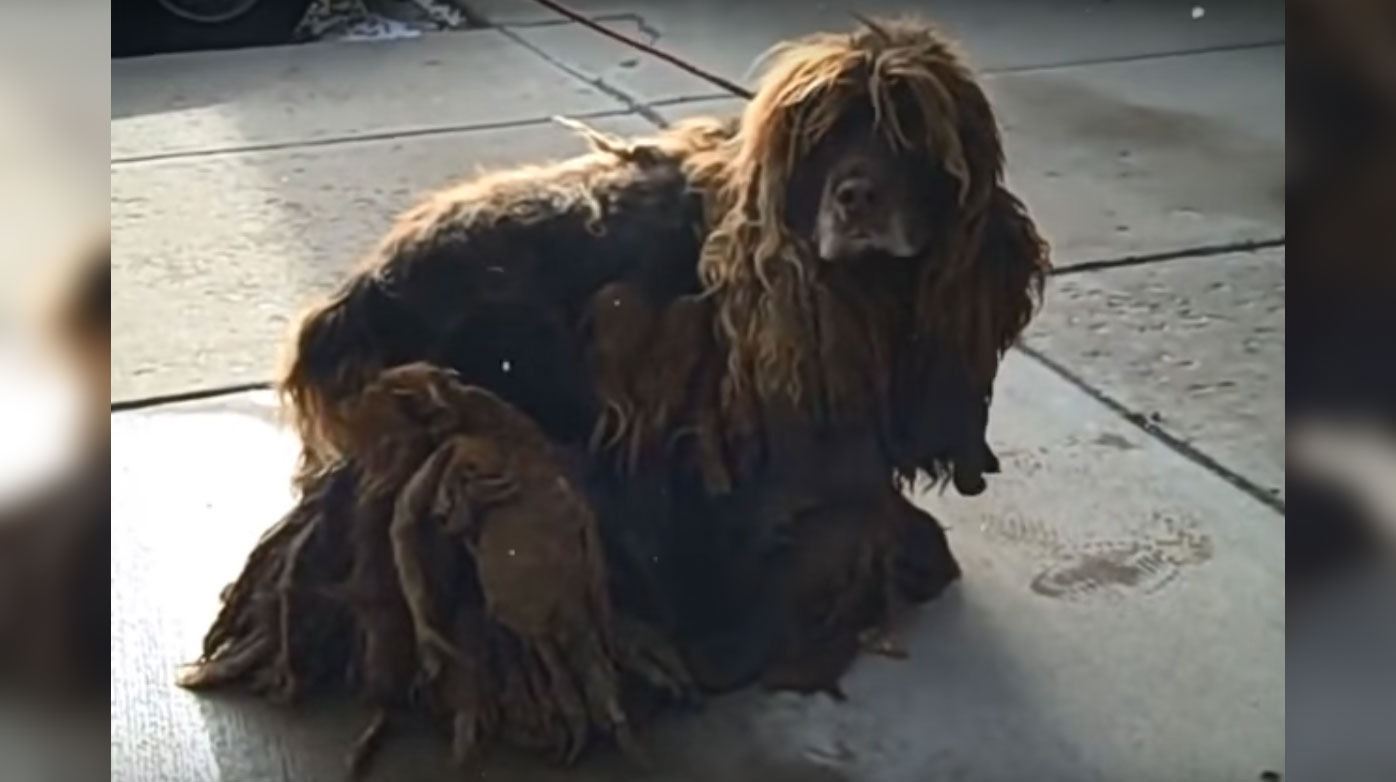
[(585, 439), (456, 559)]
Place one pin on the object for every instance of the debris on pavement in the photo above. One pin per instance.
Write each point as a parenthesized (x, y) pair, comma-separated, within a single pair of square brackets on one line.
[(377, 20)]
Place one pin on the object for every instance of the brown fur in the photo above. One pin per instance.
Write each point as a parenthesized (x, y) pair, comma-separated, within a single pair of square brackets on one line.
[(817, 366), (453, 559), (972, 296), (626, 366), (978, 291), (334, 352)]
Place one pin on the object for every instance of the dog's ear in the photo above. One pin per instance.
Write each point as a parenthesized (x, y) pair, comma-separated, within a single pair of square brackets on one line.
[(969, 319), (983, 304), (1005, 259), (1012, 265), (598, 140), (980, 142)]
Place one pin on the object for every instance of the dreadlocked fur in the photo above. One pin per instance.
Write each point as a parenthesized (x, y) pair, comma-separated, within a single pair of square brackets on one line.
[(628, 371), (978, 286)]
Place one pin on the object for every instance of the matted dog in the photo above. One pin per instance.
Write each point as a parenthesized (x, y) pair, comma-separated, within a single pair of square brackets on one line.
[(584, 438)]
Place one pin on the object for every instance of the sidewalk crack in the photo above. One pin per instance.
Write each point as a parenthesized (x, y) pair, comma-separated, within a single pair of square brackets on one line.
[(630, 102)]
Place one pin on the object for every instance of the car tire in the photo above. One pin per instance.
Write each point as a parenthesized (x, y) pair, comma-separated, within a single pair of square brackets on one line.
[(157, 26)]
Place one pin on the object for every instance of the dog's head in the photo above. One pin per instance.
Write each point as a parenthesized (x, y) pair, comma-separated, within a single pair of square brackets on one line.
[(875, 149), (873, 143), (867, 180), (857, 197)]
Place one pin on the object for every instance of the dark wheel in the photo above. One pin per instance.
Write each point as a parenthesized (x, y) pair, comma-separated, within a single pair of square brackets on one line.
[(154, 26)]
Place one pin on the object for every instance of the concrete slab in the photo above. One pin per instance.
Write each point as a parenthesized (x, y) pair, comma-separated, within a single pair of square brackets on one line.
[(1136, 157), (1122, 617), (1198, 343), (213, 254), (725, 36), (1124, 158), (184, 103)]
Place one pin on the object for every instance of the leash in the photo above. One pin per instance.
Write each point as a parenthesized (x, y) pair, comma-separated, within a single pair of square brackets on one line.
[(711, 78)]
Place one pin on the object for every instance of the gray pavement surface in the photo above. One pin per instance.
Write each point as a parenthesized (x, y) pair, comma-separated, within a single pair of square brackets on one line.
[(197, 103), (1122, 616), (1202, 354), (724, 35)]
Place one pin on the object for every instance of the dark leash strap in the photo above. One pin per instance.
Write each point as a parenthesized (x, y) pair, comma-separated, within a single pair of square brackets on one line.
[(711, 78)]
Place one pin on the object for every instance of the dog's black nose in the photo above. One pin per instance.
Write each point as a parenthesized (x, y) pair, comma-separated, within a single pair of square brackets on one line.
[(856, 196)]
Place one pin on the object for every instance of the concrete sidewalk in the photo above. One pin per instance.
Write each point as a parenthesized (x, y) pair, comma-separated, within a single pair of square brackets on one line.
[(1122, 616)]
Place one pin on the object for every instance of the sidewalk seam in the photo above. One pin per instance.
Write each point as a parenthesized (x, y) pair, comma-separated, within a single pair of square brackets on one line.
[(1201, 251), (1180, 446), (1142, 57), (390, 135), (1145, 259), (630, 102), (140, 403), (386, 135)]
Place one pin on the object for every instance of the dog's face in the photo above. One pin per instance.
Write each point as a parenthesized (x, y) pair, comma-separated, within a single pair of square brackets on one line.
[(854, 196), (869, 164)]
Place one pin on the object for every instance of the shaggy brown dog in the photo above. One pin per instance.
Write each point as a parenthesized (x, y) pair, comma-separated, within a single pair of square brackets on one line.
[(867, 184), (733, 345)]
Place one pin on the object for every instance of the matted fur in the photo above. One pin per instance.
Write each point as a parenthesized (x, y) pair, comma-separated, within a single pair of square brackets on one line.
[(452, 567), (336, 347), (973, 294), (978, 287), (698, 428)]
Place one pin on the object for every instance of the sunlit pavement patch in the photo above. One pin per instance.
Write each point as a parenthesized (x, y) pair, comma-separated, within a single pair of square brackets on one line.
[(193, 486)]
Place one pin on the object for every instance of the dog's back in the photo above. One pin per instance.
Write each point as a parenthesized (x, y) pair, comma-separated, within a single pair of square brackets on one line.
[(490, 277)]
